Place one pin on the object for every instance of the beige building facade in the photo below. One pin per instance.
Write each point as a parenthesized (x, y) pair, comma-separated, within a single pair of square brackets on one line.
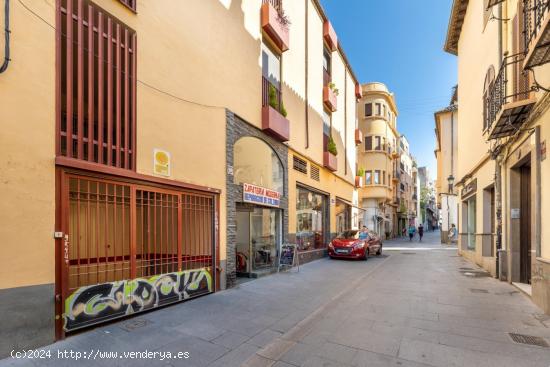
[(503, 73), (446, 154), (376, 159), (154, 143)]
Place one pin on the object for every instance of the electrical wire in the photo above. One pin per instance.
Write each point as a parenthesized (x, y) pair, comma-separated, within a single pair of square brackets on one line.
[(159, 90)]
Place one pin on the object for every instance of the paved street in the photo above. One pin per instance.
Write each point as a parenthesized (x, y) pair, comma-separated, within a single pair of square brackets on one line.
[(410, 307)]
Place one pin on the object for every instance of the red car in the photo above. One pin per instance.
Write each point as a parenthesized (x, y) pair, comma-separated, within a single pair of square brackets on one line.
[(354, 244)]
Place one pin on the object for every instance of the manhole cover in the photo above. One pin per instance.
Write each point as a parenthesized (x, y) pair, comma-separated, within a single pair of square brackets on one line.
[(134, 324), (476, 290), (408, 253), (528, 339)]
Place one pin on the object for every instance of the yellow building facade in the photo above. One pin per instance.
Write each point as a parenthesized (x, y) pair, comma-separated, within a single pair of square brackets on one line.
[(149, 143), (503, 73)]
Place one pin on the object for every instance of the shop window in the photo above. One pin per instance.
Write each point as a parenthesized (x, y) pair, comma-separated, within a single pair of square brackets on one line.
[(343, 216), (368, 177), (311, 224), (97, 79), (255, 162), (469, 208), (368, 109)]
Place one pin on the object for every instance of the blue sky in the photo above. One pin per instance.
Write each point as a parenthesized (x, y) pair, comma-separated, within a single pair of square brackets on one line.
[(400, 43)]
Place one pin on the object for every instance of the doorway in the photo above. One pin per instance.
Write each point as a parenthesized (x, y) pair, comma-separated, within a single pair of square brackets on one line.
[(258, 240), (525, 224)]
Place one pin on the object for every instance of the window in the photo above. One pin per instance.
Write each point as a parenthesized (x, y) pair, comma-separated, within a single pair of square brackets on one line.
[(368, 109), (377, 177), (383, 177), (377, 145), (368, 177), (256, 163), (327, 61), (97, 113), (383, 143), (368, 143), (326, 123), (130, 4), (378, 109), (384, 110), (271, 75)]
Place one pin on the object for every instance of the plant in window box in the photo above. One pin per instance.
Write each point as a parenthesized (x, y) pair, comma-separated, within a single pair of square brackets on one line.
[(359, 177), (283, 18), (331, 146), (333, 88), (273, 102)]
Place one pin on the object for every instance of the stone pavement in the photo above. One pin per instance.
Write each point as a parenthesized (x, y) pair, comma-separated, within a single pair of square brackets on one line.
[(417, 305)]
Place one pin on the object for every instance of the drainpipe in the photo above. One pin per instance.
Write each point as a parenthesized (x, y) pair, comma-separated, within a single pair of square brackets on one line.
[(6, 36), (498, 172)]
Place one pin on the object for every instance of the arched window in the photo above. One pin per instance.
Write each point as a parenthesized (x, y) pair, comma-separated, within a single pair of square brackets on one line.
[(489, 81), (256, 163)]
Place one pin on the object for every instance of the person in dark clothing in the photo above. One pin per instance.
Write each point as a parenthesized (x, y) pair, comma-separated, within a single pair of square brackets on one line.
[(420, 232)]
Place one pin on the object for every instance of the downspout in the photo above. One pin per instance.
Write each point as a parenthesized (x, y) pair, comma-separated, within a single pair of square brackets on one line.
[(6, 36), (306, 101), (498, 172)]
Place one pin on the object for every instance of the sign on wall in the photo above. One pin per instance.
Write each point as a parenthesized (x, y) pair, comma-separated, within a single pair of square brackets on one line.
[(260, 195), (161, 162), (469, 189)]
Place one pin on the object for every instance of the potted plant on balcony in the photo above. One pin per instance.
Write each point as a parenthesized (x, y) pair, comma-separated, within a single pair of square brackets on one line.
[(274, 120), (333, 88), (359, 177), (330, 160)]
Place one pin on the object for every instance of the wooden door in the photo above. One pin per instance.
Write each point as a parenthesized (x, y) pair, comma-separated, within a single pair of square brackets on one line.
[(525, 225)]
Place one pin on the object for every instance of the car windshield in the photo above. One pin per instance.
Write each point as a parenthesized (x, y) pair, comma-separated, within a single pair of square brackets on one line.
[(348, 235)]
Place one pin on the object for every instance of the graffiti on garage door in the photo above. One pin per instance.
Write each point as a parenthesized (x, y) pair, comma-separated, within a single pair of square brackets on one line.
[(96, 303)]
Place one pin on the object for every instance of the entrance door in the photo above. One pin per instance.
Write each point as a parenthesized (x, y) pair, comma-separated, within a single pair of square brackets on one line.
[(525, 225), (258, 239)]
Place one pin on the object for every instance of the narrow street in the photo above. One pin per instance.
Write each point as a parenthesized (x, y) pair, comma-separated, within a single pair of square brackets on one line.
[(418, 304)]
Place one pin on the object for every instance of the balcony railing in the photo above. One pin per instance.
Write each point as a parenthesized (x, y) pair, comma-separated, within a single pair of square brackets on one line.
[(509, 99), (266, 86), (277, 4), (536, 32)]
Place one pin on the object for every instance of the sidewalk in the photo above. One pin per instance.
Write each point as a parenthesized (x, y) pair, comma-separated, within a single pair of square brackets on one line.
[(409, 308)]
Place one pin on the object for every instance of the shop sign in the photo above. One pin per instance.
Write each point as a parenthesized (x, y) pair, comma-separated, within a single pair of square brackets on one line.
[(161, 162), (260, 195), (469, 189)]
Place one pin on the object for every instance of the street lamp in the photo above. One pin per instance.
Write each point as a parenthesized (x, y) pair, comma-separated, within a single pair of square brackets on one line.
[(451, 181)]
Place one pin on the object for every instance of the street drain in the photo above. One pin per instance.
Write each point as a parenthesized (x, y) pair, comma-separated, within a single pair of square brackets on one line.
[(134, 324), (476, 290), (529, 340), (475, 274)]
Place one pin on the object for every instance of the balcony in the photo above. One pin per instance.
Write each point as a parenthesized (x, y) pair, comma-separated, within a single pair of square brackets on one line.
[(358, 137), (358, 91), (329, 36), (329, 98), (536, 32), (330, 161), (274, 24), (274, 122), (508, 104)]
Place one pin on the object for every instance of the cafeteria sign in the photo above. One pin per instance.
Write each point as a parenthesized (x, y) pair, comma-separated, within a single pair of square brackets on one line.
[(260, 195)]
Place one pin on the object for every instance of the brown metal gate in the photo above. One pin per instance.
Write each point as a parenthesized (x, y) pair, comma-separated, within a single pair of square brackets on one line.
[(128, 247)]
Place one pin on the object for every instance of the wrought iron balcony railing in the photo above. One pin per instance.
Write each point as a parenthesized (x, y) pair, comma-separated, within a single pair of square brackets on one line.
[(508, 102), (536, 32)]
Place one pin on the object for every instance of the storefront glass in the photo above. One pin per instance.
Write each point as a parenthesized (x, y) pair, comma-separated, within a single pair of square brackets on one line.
[(471, 223), (311, 209), (256, 163), (343, 216)]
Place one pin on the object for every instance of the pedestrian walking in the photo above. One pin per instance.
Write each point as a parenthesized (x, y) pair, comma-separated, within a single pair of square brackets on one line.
[(420, 232), (412, 230)]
